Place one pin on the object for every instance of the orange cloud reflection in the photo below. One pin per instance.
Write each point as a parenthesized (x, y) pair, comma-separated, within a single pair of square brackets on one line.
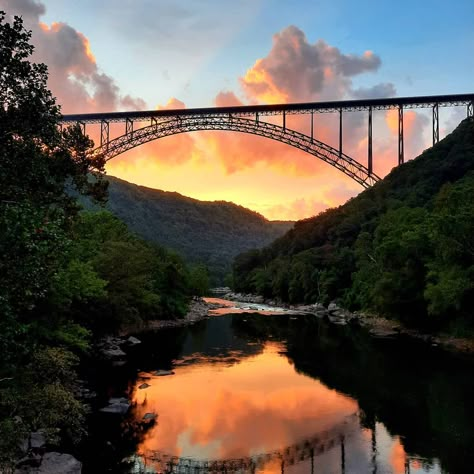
[(222, 412)]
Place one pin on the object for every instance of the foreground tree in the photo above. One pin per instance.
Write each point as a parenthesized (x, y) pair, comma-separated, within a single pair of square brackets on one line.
[(37, 162)]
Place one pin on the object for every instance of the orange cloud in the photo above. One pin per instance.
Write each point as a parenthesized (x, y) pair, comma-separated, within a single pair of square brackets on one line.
[(280, 182)]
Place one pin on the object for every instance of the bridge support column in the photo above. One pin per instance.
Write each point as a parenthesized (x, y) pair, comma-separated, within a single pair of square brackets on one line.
[(83, 127), (104, 133), (340, 133), (470, 109), (129, 127), (374, 447), (343, 456), (256, 118), (435, 124), (312, 126), (401, 151), (284, 120), (369, 143)]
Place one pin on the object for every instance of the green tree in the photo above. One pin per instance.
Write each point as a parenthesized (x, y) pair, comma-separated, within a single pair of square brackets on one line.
[(199, 280), (37, 161)]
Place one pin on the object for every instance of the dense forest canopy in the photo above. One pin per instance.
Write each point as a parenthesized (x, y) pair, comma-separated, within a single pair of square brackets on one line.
[(402, 249), (206, 233), (66, 276)]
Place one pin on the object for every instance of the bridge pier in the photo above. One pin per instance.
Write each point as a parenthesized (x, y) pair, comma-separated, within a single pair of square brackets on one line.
[(128, 127), (104, 133), (435, 124), (470, 109), (369, 143), (401, 146), (312, 127), (340, 133)]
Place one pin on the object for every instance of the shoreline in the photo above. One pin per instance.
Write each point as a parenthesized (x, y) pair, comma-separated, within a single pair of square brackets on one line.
[(377, 326)]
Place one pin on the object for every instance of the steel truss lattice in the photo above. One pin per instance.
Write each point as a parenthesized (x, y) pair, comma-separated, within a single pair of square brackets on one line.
[(306, 449), (175, 126)]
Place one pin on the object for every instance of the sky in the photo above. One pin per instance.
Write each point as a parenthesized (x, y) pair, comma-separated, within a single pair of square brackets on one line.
[(111, 55)]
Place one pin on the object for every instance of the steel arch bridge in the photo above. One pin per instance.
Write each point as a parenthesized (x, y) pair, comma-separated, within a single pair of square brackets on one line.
[(307, 449), (248, 119)]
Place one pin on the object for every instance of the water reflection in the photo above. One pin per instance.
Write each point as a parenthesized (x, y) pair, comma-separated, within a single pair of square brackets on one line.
[(251, 393), (234, 307)]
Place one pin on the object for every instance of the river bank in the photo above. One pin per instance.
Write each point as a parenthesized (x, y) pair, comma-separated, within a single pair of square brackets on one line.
[(274, 373), (378, 326), (204, 308)]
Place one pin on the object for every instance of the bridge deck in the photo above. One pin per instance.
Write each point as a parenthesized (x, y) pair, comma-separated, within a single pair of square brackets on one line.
[(279, 109)]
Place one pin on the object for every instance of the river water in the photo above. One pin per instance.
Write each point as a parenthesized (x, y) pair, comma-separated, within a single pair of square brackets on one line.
[(279, 393)]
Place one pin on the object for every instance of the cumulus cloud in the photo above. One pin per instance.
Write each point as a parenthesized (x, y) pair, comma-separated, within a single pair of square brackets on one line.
[(30, 10), (294, 70), (298, 71), (384, 89), (74, 77)]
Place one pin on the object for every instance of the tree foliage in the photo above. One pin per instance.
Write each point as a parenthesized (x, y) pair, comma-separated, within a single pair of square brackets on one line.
[(65, 276), (403, 248)]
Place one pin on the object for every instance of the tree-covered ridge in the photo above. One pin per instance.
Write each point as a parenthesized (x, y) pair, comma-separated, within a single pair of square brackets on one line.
[(66, 276), (211, 233), (402, 249)]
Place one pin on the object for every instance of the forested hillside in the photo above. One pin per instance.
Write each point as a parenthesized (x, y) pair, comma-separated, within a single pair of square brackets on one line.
[(66, 277), (403, 248), (212, 233)]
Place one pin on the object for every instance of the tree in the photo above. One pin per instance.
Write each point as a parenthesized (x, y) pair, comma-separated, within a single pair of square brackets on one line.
[(37, 162)]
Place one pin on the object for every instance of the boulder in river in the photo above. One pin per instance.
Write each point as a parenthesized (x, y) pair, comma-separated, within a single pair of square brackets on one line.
[(59, 463), (383, 333), (117, 406), (133, 341), (161, 373), (37, 440), (149, 417), (113, 353), (144, 385)]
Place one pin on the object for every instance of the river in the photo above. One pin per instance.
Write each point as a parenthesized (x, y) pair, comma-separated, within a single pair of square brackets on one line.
[(273, 393)]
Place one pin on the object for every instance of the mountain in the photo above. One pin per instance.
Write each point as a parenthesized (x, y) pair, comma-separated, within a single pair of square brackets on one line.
[(209, 232), (403, 248)]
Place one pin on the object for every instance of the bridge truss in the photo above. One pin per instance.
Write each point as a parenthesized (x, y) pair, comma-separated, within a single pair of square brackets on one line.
[(251, 119), (308, 449)]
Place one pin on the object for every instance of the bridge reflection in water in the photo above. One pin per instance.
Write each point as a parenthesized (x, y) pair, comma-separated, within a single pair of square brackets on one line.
[(308, 449), (304, 454), (240, 406)]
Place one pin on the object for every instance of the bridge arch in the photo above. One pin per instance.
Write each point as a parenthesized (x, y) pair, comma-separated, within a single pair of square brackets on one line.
[(177, 125)]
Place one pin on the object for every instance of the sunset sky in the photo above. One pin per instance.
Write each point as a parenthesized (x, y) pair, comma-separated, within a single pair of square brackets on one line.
[(143, 54)]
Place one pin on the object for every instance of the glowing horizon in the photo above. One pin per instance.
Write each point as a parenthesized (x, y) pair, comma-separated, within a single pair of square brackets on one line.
[(177, 54)]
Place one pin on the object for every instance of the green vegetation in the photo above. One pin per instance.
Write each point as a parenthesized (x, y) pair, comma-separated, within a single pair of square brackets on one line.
[(204, 233), (402, 249), (65, 276)]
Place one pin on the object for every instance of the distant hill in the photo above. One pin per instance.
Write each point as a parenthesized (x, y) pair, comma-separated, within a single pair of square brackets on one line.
[(209, 232), (403, 248)]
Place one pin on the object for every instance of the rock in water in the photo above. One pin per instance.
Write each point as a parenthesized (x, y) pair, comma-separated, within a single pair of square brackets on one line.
[(117, 406), (37, 440), (59, 463), (133, 341), (161, 373)]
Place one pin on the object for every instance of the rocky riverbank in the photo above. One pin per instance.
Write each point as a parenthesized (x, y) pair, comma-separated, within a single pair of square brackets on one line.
[(114, 348), (378, 326)]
